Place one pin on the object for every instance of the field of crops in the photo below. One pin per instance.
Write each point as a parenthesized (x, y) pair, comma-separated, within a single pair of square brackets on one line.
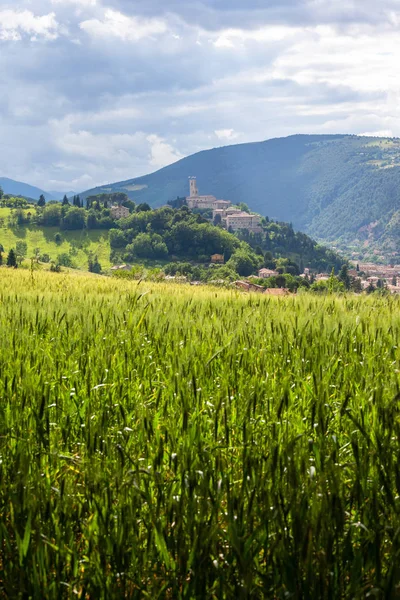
[(161, 441)]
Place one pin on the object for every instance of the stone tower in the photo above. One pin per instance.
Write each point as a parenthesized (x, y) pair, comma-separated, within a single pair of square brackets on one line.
[(193, 187)]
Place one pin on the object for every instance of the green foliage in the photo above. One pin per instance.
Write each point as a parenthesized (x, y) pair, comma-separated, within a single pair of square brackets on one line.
[(13, 202), (94, 266), (50, 216), (12, 258), (75, 218), (143, 207), (243, 262), (65, 260), (41, 201), (21, 250)]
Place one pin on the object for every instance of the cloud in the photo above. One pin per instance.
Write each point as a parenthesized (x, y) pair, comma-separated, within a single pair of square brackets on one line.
[(116, 24), (126, 86), (14, 24), (226, 134), (161, 153)]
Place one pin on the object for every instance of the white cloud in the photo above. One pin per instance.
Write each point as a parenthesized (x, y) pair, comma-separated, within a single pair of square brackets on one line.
[(234, 38), (15, 23), (162, 153), (226, 134), (79, 3), (382, 133), (116, 24)]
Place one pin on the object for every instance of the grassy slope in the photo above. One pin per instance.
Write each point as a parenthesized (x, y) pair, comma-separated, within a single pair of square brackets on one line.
[(81, 243)]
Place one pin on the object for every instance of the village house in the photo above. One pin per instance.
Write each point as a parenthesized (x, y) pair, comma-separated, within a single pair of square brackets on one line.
[(217, 259), (243, 220), (266, 273), (119, 212)]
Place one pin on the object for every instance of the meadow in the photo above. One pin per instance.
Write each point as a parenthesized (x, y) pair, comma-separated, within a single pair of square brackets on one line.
[(78, 244), (165, 441)]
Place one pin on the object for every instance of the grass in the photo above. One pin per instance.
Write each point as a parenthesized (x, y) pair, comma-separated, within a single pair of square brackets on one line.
[(76, 243), (160, 441)]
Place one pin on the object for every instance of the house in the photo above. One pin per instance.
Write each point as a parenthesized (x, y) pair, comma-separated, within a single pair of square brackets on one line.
[(277, 292), (218, 259), (266, 273), (221, 204), (119, 212), (243, 285), (249, 287), (243, 220)]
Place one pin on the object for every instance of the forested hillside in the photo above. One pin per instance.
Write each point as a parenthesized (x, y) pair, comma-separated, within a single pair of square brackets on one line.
[(72, 236), (343, 189)]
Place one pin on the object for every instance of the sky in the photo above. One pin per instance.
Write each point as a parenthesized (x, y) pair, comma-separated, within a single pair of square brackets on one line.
[(99, 91)]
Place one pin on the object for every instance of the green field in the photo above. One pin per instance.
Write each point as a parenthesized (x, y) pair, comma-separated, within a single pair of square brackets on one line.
[(77, 243), (161, 441)]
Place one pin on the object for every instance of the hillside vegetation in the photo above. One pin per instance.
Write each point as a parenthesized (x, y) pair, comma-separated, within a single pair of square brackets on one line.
[(343, 189), (77, 236), (169, 442)]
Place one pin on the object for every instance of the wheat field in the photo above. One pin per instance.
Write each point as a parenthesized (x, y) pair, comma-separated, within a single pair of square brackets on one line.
[(164, 441)]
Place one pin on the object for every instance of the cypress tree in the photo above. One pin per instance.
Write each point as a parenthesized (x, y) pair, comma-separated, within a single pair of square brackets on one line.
[(11, 259)]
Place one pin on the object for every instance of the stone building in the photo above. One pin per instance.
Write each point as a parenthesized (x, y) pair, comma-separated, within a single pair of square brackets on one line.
[(119, 212)]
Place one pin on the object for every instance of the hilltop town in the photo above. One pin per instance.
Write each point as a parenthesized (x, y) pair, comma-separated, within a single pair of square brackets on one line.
[(230, 217)]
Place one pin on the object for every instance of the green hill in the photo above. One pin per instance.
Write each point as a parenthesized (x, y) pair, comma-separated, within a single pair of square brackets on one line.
[(338, 188), (76, 244), (70, 236)]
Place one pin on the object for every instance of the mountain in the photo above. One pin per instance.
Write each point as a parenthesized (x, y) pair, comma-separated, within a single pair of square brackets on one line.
[(59, 195), (341, 189), (18, 188)]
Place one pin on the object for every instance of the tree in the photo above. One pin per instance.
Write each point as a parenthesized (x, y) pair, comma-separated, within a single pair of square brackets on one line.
[(217, 219), (75, 218), (344, 276), (21, 250), (143, 207), (243, 262), (65, 201), (1, 192), (11, 259), (65, 260), (51, 215), (394, 280), (94, 265), (58, 238), (41, 201), (1, 254)]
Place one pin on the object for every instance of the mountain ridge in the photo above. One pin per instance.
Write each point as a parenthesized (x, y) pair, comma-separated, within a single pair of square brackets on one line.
[(330, 186), (20, 188)]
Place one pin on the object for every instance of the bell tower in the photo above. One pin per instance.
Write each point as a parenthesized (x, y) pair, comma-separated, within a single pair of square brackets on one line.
[(193, 187)]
